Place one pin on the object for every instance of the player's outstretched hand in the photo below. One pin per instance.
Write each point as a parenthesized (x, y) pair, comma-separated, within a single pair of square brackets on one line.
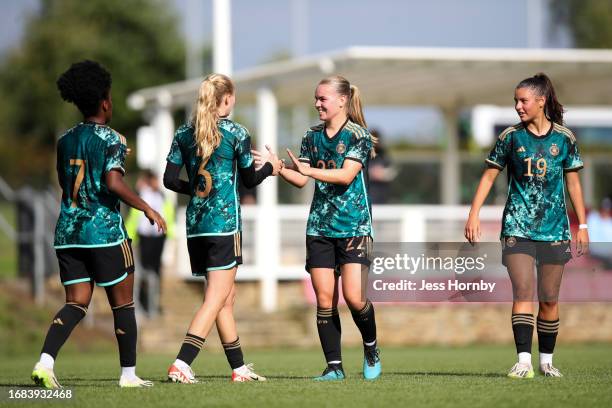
[(276, 163), (258, 159), (472, 230), (154, 218), (268, 157), (582, 242), (298, 165)]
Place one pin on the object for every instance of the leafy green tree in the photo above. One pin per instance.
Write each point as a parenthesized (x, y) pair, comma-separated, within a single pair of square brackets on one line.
[(138, 41), (590, 21)]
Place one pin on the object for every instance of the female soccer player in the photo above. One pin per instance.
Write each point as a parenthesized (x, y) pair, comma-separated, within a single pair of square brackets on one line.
[(542, 156), (214, 150), (91, 242), (336, 154)]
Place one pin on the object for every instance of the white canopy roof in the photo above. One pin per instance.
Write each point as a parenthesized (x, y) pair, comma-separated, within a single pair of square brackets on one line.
[(445, 77)]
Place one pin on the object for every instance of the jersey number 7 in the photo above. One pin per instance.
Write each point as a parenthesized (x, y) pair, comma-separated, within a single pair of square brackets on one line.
[(79, 179)]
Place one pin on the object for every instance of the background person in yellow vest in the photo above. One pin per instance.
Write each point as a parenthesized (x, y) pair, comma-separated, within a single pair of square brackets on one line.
[(150, 242)]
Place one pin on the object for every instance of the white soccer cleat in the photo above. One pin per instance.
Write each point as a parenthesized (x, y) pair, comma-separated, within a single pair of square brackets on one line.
[(134, 382), (246, 373), (549, 371), (44, 377), (521, 370), (183, 376)]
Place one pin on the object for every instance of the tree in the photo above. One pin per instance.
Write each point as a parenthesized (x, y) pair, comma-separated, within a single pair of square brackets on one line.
[(136, 40), (590, 21)]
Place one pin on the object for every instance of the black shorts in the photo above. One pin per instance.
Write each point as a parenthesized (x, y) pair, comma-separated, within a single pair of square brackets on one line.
[(544, 252), (324, 252), (106, 266), (214, 252)]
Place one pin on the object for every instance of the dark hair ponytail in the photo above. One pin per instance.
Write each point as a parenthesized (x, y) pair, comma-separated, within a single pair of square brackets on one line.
[(542, 85)]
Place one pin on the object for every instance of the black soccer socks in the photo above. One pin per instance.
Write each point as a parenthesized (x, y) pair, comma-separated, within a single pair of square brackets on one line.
[(190, 348), (366, 323), (522, 327), (547, 335), (63, 323), (233, 352), (126, 333), (330, 331)]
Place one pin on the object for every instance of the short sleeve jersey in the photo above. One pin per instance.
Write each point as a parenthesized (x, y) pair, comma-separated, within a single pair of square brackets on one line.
[(214, 207), (89, 213), (339, 211), (535, 208)]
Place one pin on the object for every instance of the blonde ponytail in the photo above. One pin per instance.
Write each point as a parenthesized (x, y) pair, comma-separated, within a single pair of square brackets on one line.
[(354, 110), (206, 113)]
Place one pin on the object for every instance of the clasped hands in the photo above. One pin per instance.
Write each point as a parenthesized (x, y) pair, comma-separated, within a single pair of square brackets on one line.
[(279, 164)]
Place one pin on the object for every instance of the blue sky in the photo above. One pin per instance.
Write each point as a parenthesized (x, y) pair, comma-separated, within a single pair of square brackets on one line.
[(261, 29)]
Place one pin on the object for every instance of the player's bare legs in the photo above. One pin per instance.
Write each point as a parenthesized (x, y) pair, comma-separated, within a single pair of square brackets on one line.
[(79, 293), (325, 285), (352, 286), (218, 287), (226, 327)]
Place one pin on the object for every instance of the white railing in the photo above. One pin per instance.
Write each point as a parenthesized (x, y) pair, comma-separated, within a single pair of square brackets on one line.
[(392, 223)]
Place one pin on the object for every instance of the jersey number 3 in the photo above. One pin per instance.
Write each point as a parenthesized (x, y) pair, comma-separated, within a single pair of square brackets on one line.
[(78, 180)]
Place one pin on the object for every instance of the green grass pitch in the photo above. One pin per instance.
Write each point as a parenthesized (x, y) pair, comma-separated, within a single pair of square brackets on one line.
[(412, 376)]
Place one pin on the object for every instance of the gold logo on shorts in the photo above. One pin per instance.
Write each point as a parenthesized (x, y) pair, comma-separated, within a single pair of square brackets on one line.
[(341, 148), (554, 149), (511, 242)]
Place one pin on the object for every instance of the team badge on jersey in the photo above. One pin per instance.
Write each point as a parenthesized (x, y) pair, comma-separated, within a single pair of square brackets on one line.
[(554, 149), (341, 148)]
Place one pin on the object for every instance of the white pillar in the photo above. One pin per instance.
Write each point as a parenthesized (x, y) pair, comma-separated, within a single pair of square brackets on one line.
[(162, 124), (267, 228), (299, 28), (450, 174), (222, 37), (194, 41)]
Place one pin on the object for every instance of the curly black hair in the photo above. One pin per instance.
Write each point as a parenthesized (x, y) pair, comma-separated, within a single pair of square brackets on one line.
[(85, 84)]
